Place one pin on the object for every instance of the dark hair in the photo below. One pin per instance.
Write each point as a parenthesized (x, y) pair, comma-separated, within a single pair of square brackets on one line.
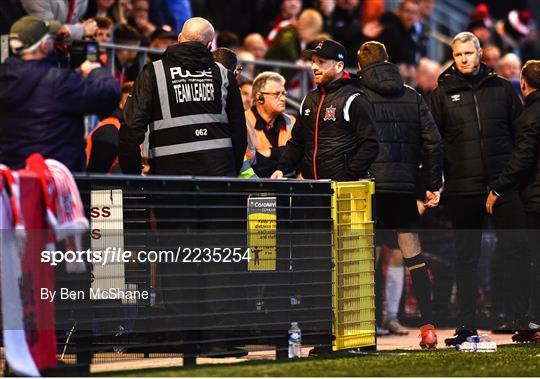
[(227, 39), (370, 53), (104, 22), (126, 34), (531, 73), (403, 2), (226, 57)]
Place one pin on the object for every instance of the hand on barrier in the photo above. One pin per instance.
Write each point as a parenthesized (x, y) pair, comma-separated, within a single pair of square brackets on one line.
[(433, 198), (490, 201), (277, 175)]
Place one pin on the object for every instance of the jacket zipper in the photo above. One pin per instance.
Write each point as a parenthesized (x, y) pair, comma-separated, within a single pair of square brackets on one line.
[(480, 129), (317, 134)]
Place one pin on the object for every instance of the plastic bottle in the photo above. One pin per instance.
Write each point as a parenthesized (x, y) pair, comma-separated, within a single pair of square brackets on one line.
[(295, 341)]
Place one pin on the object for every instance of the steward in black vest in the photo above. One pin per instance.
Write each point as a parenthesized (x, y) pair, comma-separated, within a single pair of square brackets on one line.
[(194, 109)]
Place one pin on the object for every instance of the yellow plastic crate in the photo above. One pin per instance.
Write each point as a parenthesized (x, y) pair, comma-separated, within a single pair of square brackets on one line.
[(353, 274)]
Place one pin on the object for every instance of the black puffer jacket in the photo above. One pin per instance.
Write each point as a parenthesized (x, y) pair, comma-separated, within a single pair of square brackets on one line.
[(334, 136), (524, 167), (475, 117), (406, 132)]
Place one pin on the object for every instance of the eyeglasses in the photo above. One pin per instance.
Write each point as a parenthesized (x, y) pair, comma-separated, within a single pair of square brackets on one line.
[(276, 94)]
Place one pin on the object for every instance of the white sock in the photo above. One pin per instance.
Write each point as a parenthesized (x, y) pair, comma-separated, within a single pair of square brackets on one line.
[(394, 289)]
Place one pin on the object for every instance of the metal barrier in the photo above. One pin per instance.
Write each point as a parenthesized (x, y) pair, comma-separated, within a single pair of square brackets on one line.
[(227, 264)]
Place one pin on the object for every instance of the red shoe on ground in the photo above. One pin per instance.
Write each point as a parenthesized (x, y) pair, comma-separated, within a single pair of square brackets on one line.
[(428, 337)]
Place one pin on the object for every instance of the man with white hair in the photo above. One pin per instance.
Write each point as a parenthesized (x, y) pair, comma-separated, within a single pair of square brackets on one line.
[(194, 107), (475, 110), (269, 127), (510, 66)]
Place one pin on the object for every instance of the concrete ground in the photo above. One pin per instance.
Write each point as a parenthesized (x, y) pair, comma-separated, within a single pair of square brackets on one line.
[(408, 342)]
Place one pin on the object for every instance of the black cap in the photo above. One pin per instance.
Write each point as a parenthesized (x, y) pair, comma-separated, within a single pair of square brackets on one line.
[(328, 49)]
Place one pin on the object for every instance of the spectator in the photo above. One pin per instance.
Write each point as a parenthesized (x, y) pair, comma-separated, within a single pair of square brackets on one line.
[(422, 28), (524, 162), (341, 144), (140, 19), (344, 24), (289, 11), (123, 11), (101, 8), (102, 142), (512, 32), (426, 76), (228, 40), (397, 36), (254, 43), (105, 29), (47, 103), (49, 10), (510, 67), (181, 12), (491, 56), (126, 62), (475, 110), (222, 147), (246, 90), (269, 127), (291, 40), (413, 132), (162, 39), (481, 24)]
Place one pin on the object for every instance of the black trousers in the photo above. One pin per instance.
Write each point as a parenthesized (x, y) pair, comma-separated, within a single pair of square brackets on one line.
[(533, 223), (467, 214)]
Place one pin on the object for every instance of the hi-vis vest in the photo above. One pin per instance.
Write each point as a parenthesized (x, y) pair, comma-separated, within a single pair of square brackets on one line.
[(257, 140), (192, 136), (107, 121)]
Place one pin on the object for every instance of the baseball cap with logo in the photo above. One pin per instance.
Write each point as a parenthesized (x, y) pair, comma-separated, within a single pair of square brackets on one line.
[(29, 30), (328, 49)]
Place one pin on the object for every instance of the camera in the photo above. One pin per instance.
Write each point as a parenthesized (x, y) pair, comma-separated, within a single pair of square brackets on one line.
[(81, 51)]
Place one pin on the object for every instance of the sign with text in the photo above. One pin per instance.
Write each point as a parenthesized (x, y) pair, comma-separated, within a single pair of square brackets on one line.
[(262, 225)]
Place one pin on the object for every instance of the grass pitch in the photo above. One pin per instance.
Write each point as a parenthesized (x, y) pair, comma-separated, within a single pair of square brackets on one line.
[(509, 360)]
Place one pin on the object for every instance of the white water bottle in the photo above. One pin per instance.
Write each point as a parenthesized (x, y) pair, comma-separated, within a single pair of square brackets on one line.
[(295, 341)]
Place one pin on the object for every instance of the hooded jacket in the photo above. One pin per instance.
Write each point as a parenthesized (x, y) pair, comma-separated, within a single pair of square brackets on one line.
[(195, 112), (476, 118), (406, 131), (42, 108), (334, 136), (524, 167)]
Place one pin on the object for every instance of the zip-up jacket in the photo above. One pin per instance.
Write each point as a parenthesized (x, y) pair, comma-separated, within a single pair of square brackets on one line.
[(524, 167), (475, 116), (262, 137), (194, 109), (334, 135), (406, 132)]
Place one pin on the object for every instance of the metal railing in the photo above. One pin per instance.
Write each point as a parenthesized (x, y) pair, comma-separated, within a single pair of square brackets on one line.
[(277, 66)]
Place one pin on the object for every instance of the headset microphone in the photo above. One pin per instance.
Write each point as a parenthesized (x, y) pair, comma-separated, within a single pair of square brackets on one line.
[(260, 99)]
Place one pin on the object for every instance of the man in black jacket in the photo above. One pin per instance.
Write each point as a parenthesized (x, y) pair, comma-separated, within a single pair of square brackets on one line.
[(197, 127), (524, 169), (408, 137), (194, 109), (475, 110), (334, 135)]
